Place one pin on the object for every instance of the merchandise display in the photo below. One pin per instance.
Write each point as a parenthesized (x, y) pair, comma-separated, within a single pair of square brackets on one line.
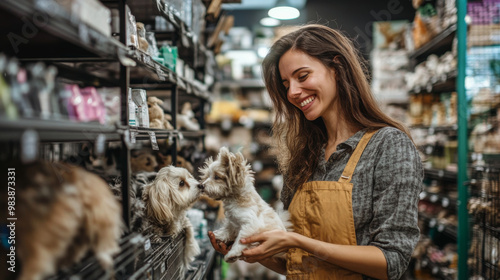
[(118, 120), (86, 120)]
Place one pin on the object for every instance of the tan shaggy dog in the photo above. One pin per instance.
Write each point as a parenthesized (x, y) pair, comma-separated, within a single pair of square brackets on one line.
[(63, 212)]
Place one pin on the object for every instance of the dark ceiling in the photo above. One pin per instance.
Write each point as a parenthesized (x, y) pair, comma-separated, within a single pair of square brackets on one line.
[(352, 16)]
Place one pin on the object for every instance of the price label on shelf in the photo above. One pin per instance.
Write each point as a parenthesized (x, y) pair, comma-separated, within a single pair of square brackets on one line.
[(132, 137), (154, 143), (29, 145), (100, 144)]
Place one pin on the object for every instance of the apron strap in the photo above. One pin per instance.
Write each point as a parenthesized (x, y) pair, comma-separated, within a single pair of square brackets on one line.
[(356, 155)]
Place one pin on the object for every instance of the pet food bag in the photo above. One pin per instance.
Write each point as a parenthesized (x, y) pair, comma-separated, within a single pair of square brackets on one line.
[(132, 110), (139, 97), (131, 29), (111, 99)]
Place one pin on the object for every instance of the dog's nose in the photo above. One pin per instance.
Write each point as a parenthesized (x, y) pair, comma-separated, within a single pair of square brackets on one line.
[(201, 187)]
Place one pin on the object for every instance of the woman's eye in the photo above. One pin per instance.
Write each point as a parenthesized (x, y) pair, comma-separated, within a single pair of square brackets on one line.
[(303, 77), (181, 183)]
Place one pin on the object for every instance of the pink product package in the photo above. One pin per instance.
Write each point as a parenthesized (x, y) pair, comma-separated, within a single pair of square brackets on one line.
[(74, 103), (93, 105), (85, 104)]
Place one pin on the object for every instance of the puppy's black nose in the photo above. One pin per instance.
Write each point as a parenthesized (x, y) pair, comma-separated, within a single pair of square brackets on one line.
[(201, 187)]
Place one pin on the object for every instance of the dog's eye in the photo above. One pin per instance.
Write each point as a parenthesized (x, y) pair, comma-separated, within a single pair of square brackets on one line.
[(216, 177), (181, 183)]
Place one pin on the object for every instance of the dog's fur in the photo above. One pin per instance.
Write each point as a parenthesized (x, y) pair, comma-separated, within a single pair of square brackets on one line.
[(63, 212), (159, 206), (230, 179)]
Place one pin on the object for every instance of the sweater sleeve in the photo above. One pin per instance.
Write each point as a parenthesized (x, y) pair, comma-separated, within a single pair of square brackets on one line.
[(398, 178)]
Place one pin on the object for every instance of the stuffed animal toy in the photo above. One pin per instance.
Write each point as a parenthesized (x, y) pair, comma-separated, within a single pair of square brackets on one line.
[(141, 35), (166, 122), (156, 115), (186, 118), (167, 160), (143, 162)]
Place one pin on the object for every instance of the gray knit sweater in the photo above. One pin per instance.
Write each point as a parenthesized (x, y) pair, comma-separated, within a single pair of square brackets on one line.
[(387, 182)]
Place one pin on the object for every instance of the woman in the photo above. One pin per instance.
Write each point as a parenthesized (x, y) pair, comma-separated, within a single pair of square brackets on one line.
[(352, 174)]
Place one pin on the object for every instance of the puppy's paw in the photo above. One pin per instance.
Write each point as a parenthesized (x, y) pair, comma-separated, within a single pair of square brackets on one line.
[(231, 258), (221, 235)]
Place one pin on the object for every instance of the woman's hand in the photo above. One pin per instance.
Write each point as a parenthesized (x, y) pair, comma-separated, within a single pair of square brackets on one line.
[(270, 243), (218, 245)]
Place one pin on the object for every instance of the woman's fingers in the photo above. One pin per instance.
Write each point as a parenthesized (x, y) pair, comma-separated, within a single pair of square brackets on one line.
[(252, 239)]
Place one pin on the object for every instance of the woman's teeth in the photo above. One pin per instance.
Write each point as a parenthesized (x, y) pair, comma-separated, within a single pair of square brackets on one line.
[(307, 101)]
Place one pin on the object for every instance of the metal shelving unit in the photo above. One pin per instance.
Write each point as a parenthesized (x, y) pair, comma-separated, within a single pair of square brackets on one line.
[(61, 40)]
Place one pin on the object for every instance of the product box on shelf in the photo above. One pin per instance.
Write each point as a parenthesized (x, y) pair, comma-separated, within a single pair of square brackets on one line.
[(139, 97), (132, 108), (91, 12)]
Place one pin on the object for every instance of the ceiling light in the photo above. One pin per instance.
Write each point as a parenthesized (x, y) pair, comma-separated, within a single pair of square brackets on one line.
[(283, 11), (269, 21)]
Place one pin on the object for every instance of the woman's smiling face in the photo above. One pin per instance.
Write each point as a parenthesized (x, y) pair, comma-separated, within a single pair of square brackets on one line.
[(310, 85)]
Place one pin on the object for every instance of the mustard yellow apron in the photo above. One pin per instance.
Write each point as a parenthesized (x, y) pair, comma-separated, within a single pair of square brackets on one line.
[(322, 210)]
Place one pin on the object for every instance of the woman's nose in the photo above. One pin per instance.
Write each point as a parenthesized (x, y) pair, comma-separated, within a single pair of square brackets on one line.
[(294, 90)]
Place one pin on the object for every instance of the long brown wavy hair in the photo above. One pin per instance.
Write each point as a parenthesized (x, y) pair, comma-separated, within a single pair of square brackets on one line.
[(299, 141)]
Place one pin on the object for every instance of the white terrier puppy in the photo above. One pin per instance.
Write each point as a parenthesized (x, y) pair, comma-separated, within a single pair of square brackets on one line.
[(230, 179)]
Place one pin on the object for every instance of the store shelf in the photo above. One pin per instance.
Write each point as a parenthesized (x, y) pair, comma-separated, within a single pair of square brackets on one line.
[(145, 10), (56, 36), (440, 174), (151, 75), (64, 39), (86, 77), (445, 83), (144, 133), (437, 270), (192, 134), (90, 268), (435, 129), (244, 83), (437, 198), (57, 130), (449, 230), (437, 45)]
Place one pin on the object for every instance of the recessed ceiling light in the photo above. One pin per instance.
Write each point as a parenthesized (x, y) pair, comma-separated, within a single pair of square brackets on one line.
[(284, 12)]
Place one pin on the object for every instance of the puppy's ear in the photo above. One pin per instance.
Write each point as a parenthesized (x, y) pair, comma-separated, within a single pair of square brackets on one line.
[(157, 197), (204, 169), (225, 157), (240, 159), (238, 168)]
